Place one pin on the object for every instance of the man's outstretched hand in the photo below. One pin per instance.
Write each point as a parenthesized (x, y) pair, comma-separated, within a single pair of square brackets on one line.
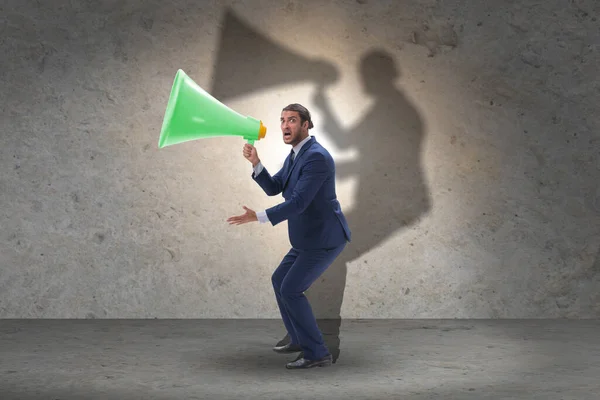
[(248, 216)]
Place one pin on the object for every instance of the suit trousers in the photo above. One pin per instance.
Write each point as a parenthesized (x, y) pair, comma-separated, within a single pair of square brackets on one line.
[(294, 275)]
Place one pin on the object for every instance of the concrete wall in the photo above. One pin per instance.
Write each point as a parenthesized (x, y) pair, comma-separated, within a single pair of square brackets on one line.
[(466, 136)]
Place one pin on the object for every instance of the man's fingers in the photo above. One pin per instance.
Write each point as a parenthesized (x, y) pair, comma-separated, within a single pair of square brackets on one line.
[(240, 219), (237, 220)]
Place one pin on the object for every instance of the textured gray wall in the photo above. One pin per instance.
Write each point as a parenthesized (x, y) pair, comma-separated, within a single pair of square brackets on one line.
[(470, 179)]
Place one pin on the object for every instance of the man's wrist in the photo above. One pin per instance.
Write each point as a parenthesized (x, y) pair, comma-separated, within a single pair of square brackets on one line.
[(262, 216)]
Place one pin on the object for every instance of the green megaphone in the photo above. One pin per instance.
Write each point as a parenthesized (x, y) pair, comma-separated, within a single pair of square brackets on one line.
[(193, 114)]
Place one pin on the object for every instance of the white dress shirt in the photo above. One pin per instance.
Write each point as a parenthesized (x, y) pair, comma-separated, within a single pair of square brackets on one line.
[(262, 215)]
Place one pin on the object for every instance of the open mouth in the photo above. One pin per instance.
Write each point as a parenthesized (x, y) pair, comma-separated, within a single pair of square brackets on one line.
[(287, 134)]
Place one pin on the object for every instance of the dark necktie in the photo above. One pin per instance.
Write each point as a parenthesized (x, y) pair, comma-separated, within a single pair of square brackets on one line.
[(292, 156)]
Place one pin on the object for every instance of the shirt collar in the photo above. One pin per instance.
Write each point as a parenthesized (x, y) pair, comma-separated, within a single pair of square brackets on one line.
[(297, 147)]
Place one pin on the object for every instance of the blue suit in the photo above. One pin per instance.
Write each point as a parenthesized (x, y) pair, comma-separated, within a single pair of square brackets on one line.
[(318, 232)]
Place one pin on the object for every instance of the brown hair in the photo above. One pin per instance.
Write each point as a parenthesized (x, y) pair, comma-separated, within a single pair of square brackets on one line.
[(302, 111)]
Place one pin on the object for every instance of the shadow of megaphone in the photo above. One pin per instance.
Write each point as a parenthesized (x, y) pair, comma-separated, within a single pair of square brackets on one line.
[(248, 61)]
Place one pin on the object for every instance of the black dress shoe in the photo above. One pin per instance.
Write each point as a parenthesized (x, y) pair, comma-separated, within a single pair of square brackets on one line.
[(285, 340), (303, 363), (288, 348)]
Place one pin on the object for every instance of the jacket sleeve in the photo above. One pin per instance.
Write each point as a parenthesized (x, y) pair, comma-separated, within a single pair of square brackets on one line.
[(272, 185), (314, 172)]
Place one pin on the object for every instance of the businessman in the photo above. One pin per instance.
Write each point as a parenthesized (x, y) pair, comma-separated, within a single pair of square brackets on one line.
[(317, 229)]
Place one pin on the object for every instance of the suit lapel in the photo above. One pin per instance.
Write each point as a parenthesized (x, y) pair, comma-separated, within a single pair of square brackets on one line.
[(296, 160)]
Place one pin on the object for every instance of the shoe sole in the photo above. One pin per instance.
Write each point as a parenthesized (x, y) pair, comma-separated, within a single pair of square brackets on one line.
[(322, 364), (286, 352)]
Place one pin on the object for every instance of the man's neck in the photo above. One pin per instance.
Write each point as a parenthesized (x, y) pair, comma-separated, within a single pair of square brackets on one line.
[(294, 146)]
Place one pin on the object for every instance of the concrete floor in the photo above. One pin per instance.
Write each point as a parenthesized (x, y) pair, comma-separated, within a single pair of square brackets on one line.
[(232, 359)]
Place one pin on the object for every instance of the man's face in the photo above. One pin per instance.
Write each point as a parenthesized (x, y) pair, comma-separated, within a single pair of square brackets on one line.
[(293, 131)]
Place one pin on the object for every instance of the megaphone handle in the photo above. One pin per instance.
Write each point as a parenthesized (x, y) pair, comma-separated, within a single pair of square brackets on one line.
[(251, 142)]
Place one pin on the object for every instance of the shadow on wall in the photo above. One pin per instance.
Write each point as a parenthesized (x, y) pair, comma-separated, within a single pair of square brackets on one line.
[(248, 61), (391, 190)]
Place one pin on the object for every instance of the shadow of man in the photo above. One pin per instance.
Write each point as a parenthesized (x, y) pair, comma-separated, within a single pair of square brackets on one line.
[(392, 192)]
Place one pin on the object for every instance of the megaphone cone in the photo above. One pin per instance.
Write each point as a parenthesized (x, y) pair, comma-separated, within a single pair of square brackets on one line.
[(192, 114)]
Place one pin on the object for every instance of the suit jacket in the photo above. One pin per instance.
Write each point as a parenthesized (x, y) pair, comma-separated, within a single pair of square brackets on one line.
[(314, 215)]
